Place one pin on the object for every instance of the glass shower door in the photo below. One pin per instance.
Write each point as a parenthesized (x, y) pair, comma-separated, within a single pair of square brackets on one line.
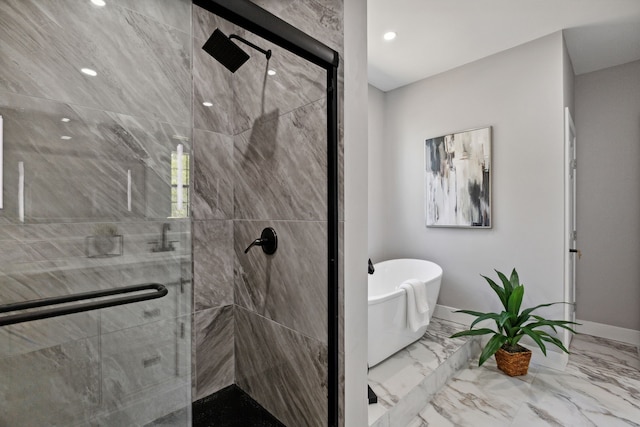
[(95, 99)]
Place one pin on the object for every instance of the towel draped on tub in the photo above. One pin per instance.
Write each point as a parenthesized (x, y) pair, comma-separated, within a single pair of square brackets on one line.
[(417, 305)]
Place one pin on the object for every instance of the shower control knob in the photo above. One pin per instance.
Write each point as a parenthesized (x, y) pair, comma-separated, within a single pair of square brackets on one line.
[(268, 240)]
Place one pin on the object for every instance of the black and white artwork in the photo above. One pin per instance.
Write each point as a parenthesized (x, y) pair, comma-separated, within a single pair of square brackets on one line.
[(458, 179)]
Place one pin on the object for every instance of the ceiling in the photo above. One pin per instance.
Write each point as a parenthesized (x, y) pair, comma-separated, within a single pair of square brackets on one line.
[(438, 35)]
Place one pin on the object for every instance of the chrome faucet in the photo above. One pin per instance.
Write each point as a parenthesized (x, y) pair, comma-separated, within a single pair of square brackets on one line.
[(163, 247)]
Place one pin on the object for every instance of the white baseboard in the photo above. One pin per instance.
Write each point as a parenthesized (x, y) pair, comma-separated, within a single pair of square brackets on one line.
[(447, 313), (616, 333)]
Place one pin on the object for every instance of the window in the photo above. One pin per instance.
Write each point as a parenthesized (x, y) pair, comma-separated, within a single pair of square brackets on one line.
[(177, 211)]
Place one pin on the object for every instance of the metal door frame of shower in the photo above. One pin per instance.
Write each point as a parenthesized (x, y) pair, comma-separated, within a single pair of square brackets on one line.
[(268, 26)]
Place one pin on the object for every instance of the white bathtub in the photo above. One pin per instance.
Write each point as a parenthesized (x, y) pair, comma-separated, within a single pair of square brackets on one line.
[(388, 329)]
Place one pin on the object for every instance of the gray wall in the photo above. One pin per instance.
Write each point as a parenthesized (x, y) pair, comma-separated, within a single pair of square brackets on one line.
[(607, 118), (520, 93), (378, 177)]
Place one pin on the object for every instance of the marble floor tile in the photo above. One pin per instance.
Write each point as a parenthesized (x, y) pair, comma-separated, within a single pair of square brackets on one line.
[(599, 387)]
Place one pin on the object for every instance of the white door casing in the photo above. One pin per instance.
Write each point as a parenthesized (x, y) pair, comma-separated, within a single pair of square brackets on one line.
[(572, 254)]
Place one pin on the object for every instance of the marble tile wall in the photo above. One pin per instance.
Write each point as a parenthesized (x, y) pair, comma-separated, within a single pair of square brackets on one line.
[(212, 213), (127, 120), (286, 370), (289, 287), (280, 181), (260, 160)]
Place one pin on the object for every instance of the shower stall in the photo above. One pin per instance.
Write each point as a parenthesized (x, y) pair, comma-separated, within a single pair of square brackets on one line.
[(139, 176)]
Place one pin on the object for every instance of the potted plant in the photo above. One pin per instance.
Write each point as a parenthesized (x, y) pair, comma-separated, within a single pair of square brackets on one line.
[(512, 325)]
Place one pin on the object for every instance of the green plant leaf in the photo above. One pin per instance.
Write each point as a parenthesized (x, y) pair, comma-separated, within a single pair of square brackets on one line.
[(535, 336), (486, 316), (552, 324), (498, 290), (492, 346), (556, 342), (515, 301), (514, 279), (470, 332), (471, 312), (506, 283), (504, 319), (526, 313)]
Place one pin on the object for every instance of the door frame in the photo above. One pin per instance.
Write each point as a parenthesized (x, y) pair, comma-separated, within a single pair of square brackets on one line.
[(570, 237)]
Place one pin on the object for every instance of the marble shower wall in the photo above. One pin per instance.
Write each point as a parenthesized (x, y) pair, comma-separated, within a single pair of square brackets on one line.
[(128, 364), (260, 160)]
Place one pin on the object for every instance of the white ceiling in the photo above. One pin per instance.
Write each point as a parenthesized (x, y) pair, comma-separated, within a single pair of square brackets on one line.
[(438, 35)]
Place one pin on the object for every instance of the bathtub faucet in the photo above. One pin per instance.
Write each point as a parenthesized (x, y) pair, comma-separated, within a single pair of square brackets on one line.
[(371, 268)]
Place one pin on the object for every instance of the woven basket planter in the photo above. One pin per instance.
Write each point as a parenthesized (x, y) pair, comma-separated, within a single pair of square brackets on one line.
[(514, 364)]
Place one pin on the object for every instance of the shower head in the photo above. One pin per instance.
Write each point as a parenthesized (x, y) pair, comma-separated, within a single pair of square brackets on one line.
[(227, 52)]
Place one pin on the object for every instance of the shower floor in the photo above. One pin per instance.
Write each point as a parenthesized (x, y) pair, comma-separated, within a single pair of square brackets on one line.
[(231, 407)]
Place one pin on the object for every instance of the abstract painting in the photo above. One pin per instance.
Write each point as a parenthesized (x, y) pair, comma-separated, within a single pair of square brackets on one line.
[(458, 179)]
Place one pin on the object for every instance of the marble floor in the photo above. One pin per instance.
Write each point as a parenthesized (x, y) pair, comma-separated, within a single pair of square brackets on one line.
[(600, 387)]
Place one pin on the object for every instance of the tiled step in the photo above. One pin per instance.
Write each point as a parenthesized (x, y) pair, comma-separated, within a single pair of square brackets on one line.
[(408, 380)]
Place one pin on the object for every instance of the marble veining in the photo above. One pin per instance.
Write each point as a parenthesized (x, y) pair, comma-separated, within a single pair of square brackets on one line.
[(175, 13), (150, 78), (321, 19), (290, 286), (296, 83), (214, 341), (282, 370), (280, 166), (212, 83), (137, 359), (103, 149), (599, 387), (413, 375), (213, 263), (212, 176), (64, 379)]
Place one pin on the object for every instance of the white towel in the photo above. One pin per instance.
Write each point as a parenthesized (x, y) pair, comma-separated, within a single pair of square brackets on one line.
[(417, 305)]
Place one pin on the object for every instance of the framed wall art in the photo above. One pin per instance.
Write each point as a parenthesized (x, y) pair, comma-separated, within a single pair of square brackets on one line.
[(458, 179)]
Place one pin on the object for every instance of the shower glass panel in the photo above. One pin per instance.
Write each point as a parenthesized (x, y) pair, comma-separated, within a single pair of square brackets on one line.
[(96, 106), (260, 147)]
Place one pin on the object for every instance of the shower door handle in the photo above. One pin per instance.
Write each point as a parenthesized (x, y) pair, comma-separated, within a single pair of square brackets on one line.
[(268, 240)]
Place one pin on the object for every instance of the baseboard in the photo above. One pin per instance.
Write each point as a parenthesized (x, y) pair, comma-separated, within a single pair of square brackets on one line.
[(448, 313), (616, 333)]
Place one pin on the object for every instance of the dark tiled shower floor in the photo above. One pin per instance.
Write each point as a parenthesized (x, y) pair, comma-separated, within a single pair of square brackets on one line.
[(231, 407)]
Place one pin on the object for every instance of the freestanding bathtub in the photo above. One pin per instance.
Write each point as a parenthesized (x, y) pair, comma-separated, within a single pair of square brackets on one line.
[(388, 329)]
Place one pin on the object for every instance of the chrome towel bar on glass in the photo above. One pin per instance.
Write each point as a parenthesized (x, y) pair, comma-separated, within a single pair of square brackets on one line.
[(160, 291)]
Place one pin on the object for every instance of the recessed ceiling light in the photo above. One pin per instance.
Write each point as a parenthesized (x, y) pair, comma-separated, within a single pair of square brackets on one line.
[(271, 72), (98, 2), (207, 104), (89, 72), (64, 119), (390, 35), (65, 137)]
